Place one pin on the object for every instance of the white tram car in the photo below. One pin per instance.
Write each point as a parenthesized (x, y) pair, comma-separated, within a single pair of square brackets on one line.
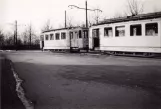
[(56, 39), (78, 39), (131, 35), (64, 39), (136, 35)]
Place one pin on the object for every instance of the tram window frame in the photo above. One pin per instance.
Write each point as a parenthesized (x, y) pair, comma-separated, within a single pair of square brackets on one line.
[(117, 31), (63, 35), (85, 33), (76, 34), (71, 35), (80, 34), (51, 36), (138, 29), (151, 30), (46, 37), (96, 32), (107, 31), (42, 37), (57, 36)]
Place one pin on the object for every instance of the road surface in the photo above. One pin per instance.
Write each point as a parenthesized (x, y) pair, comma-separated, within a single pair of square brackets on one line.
[(64, 81), (8, 95)]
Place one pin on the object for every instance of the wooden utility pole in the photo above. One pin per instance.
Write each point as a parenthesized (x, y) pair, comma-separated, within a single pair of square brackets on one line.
[(65, 19), (16, 34), (97, 17), (30, 35), (86, 16)]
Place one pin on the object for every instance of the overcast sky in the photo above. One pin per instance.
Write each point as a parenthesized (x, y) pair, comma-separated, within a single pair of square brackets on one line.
[(37, 12)]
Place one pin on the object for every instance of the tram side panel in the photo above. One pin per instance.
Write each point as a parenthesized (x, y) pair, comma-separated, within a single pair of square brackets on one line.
[(90, 39), (141, 43), (74, 41), (79, 39), (126, 42), (57, 43), (85, 39)]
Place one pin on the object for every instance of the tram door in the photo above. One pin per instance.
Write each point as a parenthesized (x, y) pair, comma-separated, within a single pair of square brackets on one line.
[(85, 39), (96, 38), (41, 42), (73, 38)]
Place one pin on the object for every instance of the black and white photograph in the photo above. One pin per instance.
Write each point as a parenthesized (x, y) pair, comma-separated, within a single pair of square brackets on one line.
[(80, 54)]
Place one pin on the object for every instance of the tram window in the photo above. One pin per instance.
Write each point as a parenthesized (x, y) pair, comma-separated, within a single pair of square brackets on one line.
[(51, 36), (95, 33), (42, 37), (135, 30), (46, 37), (71, 35), (120, 31), (108, 31), (80, 34), (57, 36), (63, 35), (85, 32), (76, 35), (151, 29)]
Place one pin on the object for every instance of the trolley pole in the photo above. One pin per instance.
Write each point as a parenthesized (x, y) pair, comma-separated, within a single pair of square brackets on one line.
[(86, 9)]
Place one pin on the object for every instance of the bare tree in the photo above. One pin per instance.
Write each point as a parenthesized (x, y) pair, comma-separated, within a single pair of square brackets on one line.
[(61, 26), (25, 37), (134, 7), (35, 39), (9, 39), (97, 16), (19, 41), (118, 15), (47, 26), (1, 39), (29, 36), (82, 25), (70, 22)]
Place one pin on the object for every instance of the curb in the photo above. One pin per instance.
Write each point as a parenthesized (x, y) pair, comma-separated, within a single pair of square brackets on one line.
[(20, 91)]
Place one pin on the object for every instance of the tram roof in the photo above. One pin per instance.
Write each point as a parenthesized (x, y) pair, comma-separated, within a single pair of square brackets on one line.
[(131, 18), (70, 28)]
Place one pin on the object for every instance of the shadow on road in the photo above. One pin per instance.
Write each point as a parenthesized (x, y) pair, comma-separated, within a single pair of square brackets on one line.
[(9, 99)]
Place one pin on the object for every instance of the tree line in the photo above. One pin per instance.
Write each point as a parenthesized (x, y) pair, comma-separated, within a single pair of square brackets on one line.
[(29, 40), (25, 40)]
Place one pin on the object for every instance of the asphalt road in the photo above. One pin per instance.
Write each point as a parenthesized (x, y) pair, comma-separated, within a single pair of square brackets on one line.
[(64, 81), (8, 94)]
